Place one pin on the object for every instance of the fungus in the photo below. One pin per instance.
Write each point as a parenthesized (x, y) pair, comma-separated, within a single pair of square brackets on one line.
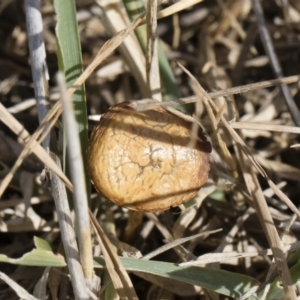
[(143, 161)]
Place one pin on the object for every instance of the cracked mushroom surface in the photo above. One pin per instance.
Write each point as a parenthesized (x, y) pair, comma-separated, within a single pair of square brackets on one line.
[(141, 160)]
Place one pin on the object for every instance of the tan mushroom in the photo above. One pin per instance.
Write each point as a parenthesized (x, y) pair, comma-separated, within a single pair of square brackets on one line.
[(141, 160)]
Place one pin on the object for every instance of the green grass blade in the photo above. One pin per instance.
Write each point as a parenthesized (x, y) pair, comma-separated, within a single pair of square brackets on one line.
[(220, 281), (42, 256), (70, 62)]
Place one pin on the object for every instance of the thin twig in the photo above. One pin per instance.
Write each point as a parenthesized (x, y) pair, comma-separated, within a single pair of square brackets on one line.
[(78, 180), (269, 48), (37, 51)]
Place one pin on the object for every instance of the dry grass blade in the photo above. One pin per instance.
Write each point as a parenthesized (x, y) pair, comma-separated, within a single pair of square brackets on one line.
[(152, 69), (286, 171), (187, 216), (214, 124), (248, 153), (78, 180), (223, 257), (175, 8), (257, 196), (26, 104), (266, 127), (183, 253), (176, 243), (21, 292), (118, 274), (232, 234), (31, 146), (40, 289), (227, 92), (269, 228)]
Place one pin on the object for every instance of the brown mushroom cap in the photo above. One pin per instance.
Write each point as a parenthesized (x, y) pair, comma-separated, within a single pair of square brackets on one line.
[(141, 160)]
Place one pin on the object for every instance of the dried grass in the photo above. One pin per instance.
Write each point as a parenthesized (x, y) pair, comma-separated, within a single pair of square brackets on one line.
[(252, 193)]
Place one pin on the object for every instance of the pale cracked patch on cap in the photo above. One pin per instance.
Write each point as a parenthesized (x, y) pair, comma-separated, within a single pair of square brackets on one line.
[(141, 160)]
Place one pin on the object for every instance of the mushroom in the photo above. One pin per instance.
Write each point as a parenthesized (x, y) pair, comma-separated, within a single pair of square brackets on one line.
[(144, 161)]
